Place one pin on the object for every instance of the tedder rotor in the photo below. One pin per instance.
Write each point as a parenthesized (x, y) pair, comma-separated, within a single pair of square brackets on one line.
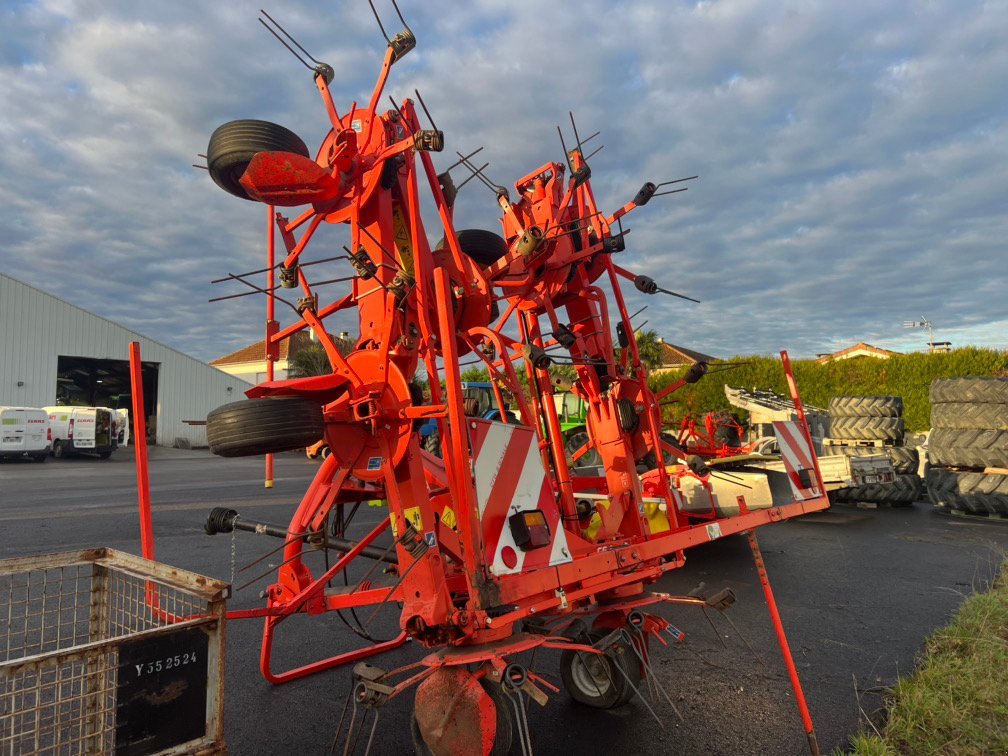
[(499, 546)]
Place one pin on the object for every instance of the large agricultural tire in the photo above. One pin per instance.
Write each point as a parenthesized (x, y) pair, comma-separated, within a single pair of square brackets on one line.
[(432, 443), (905, 459), (987, 416), (866, 406), (483, 247), (234, 144), (263, 426), (867, 428), (978, 493), (904, 490), (574, 439), (957, 447), (726, 431), (601, 681), (985, 390)]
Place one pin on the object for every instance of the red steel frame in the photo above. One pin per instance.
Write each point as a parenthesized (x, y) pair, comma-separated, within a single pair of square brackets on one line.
[(430, 307)]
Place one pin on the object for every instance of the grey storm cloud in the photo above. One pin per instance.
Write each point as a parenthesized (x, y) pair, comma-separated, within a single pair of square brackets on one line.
[(851, 155)]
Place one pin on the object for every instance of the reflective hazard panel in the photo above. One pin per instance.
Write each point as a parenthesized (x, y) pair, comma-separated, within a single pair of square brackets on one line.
[(510, 478), (799, 461)]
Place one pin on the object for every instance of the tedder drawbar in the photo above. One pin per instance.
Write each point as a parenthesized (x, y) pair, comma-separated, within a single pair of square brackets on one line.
[(498, 547)]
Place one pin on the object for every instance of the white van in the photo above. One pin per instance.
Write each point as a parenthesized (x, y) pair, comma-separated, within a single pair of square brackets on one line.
[(82, 430), (24, 432), (122, 425)]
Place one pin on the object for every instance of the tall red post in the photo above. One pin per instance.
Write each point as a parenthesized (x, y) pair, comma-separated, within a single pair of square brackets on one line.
[(783, 643), (140, 450), (269, 349)]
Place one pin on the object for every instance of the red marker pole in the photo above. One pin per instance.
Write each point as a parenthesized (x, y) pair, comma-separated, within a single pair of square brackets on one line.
[(782, 641), (270, 323), (140, 450)]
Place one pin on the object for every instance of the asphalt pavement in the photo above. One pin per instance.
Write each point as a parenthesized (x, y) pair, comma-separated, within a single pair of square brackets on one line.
[(858, 592)]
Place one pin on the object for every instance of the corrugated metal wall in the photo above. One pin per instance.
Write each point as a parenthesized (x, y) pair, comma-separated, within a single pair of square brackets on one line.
[(36, 328)]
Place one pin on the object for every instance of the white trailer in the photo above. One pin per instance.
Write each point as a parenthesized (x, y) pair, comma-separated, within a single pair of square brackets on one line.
[(24, 432), (82, 430), (838, 471)]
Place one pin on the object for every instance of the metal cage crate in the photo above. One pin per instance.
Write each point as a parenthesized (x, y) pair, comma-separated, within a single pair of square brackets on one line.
[(103, 652)]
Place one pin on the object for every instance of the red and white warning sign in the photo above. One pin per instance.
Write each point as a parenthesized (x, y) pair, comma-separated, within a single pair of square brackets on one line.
[(799, 461), (510, 478)]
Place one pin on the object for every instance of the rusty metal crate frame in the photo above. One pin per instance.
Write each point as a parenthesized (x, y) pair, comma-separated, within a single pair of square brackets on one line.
[(64, 618)]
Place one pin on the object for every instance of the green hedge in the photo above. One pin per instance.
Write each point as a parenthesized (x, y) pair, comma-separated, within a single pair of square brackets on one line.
[(906, 375)]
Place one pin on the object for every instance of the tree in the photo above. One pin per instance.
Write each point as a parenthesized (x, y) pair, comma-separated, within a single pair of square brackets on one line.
[(649, 348), (312, 360)]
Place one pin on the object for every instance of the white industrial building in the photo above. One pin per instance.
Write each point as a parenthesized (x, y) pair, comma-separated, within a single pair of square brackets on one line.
[(52, 352)]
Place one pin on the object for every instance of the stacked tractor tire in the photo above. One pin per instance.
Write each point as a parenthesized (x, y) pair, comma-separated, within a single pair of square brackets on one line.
[(968, 445), (861, 425)]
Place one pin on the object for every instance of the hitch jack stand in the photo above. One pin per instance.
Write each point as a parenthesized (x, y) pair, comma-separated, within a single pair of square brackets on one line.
[(782, 640)]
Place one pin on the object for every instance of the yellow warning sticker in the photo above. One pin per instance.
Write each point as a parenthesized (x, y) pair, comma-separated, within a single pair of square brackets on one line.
[(413, 516), (448, 518), (403, 239)]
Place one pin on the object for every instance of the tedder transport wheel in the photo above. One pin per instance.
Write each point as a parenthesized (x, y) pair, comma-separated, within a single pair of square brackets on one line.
[(234, 144), (726, 431), (454, 718), (602, 681), (483, 247), (576, 438), (264, 426)]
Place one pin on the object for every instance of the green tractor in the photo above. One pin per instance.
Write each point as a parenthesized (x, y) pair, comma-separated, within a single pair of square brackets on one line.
[(479, 401), (572, 411)]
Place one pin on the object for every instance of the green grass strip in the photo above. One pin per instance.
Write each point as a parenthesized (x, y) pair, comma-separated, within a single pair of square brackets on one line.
[(957, 700)]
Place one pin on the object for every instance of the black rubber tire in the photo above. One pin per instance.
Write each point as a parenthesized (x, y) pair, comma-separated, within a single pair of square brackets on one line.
[(905, 459), (978, 493), (104, 455), (985, 390), (613, 688), (57, 449), (988, 416), (420, 747), (648, 460), (904, 490), (505, 724), (40, 457), (432, 443), (726, 433), (264, 426), (234, 144), (866, 406), (867, 428), (483, 247), (956, 447), (574, 439)]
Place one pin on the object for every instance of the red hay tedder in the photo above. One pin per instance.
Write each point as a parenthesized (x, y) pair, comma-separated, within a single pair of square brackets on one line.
[(500, 547)]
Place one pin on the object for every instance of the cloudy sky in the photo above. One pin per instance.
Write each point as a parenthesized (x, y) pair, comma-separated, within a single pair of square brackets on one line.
[(852, 156)]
